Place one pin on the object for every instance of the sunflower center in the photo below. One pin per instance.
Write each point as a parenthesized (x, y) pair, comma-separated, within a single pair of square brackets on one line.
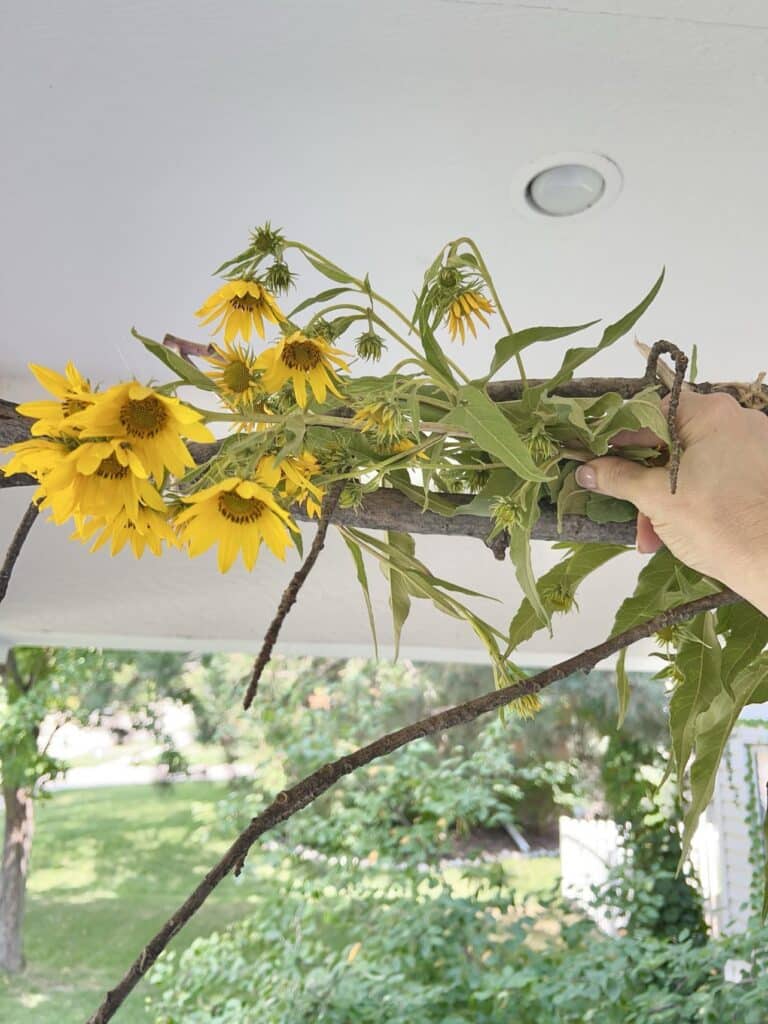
[(301, 355), (236, 376), (110, 469), (240, 510), (70, 406), (246, 303), (144, 417)]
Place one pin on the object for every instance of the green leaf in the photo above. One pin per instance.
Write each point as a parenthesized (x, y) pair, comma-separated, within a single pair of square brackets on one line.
[(404, 560), (246, 254), (362, 579), (661, 584), (643, 410), (325, 296), (574, 357), (567, 575), (512, 344), (294, 428), (186, 371), (491, 430), (500, 481), (328, 269), (713, 727), (520, 554), (571, 500), (694, 364), (699, 663), (399, 599), (747, 636), (433, 353), (601, 508)]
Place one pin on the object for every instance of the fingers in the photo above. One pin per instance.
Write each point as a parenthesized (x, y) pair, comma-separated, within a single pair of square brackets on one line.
[(644, 438), (648, 541), (620, 478), (700, 415)]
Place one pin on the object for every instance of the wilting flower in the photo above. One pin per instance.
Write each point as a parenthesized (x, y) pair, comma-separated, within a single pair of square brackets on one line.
[(302, 361), (36, 457), (370, 345), (73, 393), (461, 311), (98, 478), (240, 305), (296, 484), (385, 419), (237, 515), (149, 528), (152, 423), (278, 277)]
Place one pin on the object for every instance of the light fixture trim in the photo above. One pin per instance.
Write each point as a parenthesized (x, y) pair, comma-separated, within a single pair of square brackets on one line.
[(601, 165)]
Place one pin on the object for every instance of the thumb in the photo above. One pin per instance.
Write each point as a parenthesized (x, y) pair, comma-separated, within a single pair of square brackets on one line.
[(621, 478)]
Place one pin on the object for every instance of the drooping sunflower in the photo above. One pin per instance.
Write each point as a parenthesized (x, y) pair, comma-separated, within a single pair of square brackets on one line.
[(73, 392), (153, 425), (302, 360), (240, 305), (148, 529), (461, 311), (37, 457), (237, 515), (98, 478), (235, 374), (297, 485)]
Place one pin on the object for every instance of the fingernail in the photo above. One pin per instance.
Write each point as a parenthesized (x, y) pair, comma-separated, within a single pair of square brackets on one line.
[(586, 478)]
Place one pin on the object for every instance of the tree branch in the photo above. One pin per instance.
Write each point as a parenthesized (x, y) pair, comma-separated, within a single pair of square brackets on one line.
[(11, 557), (288, 802), (291, 592)]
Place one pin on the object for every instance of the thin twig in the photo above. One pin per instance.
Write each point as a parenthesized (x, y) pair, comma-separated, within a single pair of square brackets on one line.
[(187, 348), (291, 592), (11, 557), (289, 801), (681, 365)]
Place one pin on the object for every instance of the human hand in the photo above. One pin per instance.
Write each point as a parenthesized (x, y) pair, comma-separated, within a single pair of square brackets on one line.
[(717, 521)]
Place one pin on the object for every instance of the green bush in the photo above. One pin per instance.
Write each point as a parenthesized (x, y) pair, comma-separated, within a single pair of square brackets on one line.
[(405, 949)]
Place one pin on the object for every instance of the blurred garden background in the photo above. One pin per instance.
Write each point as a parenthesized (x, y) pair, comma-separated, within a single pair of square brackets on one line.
[(422, 888)]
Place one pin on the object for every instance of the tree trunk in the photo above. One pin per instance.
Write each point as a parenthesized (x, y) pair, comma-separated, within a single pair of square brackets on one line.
[(19, 828)]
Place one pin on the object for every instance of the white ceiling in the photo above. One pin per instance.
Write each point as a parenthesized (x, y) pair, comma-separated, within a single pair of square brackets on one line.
[(142, 140)]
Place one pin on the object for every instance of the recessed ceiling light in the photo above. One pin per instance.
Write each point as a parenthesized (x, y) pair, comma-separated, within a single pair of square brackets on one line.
[(566, 189), (566, 186)]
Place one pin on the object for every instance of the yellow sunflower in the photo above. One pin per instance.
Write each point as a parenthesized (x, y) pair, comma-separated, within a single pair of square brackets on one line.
[(148, 529), (240, 306), (152, 423), (98, 478), (37, 457), (235, 374), (461, 311), (301, 360), (296, 484), (237, 515), (74, 394)]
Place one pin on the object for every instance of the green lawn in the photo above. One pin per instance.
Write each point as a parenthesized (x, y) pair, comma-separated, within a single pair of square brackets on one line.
[(108, 867)]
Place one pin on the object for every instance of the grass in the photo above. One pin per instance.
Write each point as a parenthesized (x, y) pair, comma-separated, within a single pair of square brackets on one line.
[(108, 867)]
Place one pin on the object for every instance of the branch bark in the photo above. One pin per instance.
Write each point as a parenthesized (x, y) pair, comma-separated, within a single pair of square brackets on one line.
[(291, 592), (14, 550), (387, 509), (288, 802)]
